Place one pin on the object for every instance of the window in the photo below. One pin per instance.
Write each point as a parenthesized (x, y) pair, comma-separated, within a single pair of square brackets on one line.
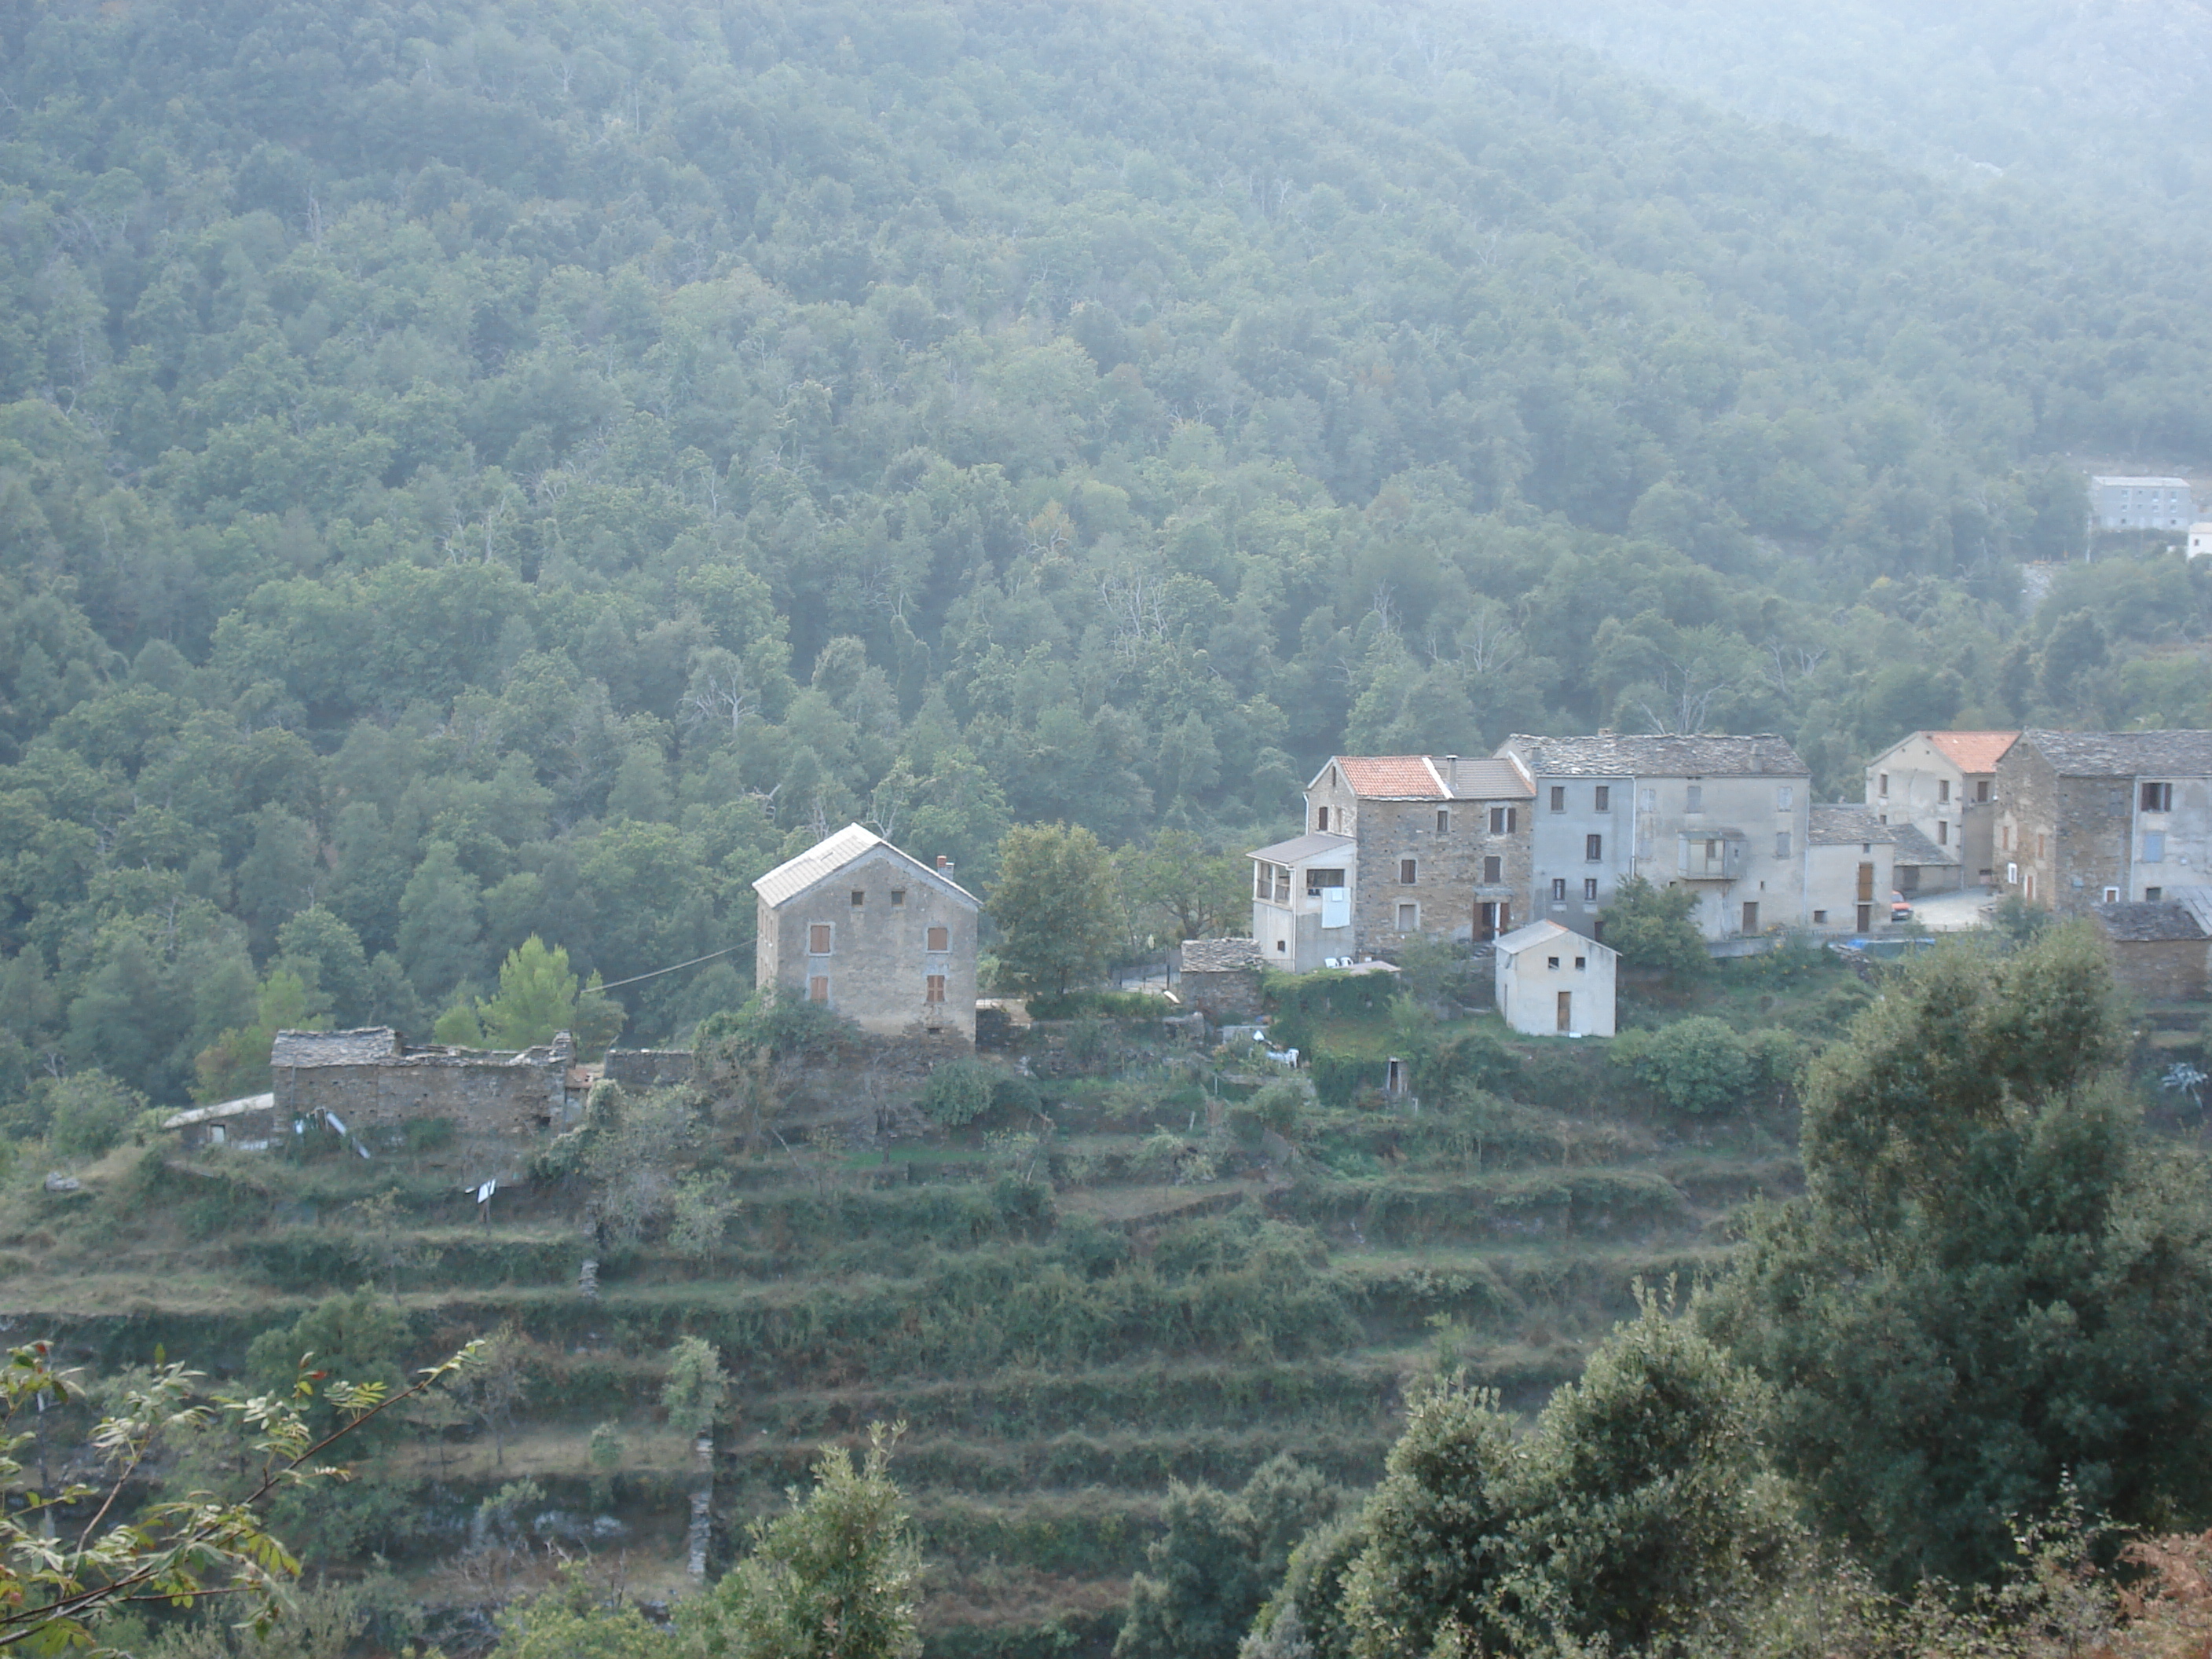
[(1882, 785), (1558, 797), (1593, 849), (818, 939), (1982, 790), (1281, 945), (938, 938), (817, 989), (1494, 871), (1409, 918), (2152, 895), (898, 898), (2005, 838), (1819, 918), (2154, 846), (1650, 799), (2012, 875), (1782, 843), (1694, 799), (2111, 895), (1443, 820), (1590, 889), (859, 898), (1783, 797), (934, 988), (1408, 872), (1321, 818), (1319, 881), (2039, 846), (1942, 832), (2158, 798), (1551, 962), (1504, 820), (1602, 797), (1944, 791), (1559, 890), (1581, 962)]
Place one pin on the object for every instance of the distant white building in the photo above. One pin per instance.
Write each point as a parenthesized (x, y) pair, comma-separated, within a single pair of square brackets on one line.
[(1553, 981), (2118, 503), (2200, 540)]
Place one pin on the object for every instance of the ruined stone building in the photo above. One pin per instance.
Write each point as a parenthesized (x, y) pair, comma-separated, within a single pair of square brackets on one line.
[(876, 935), (1724, 816), (376, 1086), (2103, 817)]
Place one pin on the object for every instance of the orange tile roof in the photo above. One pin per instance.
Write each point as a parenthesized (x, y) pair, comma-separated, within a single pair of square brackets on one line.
[(1391, 777), (1973, 751)]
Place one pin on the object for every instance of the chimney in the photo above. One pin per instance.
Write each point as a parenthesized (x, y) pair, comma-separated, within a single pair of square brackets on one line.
[(1451, 774), (944, 865)]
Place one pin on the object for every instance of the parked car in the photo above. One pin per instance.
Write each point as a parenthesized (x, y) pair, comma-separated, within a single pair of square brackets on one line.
[(1898, 910)]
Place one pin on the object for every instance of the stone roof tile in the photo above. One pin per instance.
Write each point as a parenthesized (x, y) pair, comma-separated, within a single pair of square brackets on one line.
[(1660, 755), (1843, 825), (2124, 753)]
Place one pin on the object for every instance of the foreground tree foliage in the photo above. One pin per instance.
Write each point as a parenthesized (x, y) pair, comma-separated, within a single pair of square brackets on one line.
[(1994, 1283)]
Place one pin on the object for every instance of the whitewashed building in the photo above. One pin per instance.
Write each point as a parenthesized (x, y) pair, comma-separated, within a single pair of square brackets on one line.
[(1553, 981)]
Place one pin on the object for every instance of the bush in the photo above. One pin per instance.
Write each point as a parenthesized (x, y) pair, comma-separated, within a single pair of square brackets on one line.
[(1696, 1065), (1278, 1107), (1650, 926), (1337, 1078), (959, 1092), (1101, 1005), (91, 1112)]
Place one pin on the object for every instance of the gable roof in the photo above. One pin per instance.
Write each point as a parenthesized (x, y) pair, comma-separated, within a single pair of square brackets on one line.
[(1431, 777), (840, 851), (2123, 754), (1973, 751), (1545, 932), (1843, 825), (1298, 848), (1658, 754), (366, 1045)]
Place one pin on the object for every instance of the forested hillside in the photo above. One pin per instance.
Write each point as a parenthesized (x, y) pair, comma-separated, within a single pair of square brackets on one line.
[(472, 471)]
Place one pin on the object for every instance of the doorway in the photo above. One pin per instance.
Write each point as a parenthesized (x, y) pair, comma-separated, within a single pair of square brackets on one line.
[(1750, 916), (1866, 918), (1566, 1010)]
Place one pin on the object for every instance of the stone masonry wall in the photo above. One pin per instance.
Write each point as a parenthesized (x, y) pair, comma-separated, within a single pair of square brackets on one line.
[(2160, 970), (879, 961), (1448, 868), (476, 1097)]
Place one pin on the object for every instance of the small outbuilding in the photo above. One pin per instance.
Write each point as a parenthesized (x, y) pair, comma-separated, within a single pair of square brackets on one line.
[(1220, 978), (1553, 981), (2160, 949), (249, 1124)]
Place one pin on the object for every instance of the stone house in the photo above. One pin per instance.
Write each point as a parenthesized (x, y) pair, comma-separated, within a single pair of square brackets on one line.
[(2103, 817), (1848, 868), (873, 933), (2161, 951), (1944, 785), (373, 1083), (1553, 981), (1434, 845), (1724, 815), (1220, 978)]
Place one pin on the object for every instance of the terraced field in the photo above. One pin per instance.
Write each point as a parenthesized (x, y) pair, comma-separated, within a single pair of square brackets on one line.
[(1067, 1312)]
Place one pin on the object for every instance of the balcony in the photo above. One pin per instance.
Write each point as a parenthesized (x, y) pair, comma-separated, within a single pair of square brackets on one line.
[(1710, 854)]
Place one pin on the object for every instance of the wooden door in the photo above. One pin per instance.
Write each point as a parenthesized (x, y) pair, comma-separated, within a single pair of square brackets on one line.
[(1750, 917), (1566, 1010), (1866, 883)]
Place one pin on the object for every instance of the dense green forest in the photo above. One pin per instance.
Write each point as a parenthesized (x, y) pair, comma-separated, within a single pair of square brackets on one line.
[(477, 471)]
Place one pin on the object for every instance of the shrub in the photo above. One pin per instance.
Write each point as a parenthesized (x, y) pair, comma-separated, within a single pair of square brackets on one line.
[(1650, 926), (1696, 1065), (1337, 1079), (958, 1092), (1278, 1106), (91, 1114)]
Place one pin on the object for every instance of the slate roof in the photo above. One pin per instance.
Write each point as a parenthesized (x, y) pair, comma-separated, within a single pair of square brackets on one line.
[(1845, 825), (1431, 777), (827, 857), (1658, 755), (2144, 924), (1913, 848), (369, 1045), (1973, 751), (1301, 847), (2124, 753), (1219, 955)]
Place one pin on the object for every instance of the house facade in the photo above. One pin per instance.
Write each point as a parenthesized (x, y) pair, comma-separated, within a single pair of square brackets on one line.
[(1944, 785), (1551, 981), (1724, 815), (1422, 845), (2141, 503), (2103, 817), (876, 935), (2160, 950), (1849, 869)]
